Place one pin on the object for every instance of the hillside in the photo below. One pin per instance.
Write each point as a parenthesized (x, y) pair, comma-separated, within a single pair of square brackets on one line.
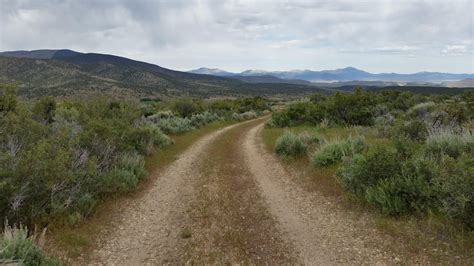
[(67, 73), (460, 83)]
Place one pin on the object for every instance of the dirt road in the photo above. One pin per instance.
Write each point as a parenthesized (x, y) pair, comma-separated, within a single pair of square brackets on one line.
[(226, 200)]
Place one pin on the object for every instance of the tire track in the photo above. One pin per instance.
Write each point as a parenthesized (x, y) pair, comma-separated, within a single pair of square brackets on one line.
[(147, 230)]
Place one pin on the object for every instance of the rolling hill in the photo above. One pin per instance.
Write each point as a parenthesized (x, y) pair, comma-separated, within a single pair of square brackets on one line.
[(68, 73)]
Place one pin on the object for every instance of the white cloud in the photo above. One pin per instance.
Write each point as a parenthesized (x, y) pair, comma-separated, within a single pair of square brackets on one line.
[(377, 35), (454, 50)]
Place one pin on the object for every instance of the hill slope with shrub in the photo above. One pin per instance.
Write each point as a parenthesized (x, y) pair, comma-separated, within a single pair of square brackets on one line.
[(67, 73)]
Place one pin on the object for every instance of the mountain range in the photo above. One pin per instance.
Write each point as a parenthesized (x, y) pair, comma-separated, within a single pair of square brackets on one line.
[(342, 75), (69, 73)]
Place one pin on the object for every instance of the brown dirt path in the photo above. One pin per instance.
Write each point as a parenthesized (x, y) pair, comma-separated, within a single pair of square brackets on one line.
[(230, 220), (147, 231), (226, 200)]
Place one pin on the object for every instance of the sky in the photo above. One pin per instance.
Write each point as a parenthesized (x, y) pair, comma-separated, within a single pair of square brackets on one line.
[(402, 36)]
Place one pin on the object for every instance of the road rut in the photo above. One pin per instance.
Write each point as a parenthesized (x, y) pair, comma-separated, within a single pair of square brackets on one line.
[(226, 200)]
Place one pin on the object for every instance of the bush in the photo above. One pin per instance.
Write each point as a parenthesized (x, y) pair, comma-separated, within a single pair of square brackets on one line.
[(244, 116), (58, 158), (145, 138), (8, 100), (399, 195), (290, 144), (364, 171), (383, 124), (17, 247), (202, 119), (421, 110), (456, 186), (279, 119), (44, 109), (334, 151), (446, 142), (171, 124), (395, 186), (351, 108), (186, 107), (413, 130), (175, 125)]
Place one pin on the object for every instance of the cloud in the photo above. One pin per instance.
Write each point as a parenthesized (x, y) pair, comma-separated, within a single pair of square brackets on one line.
[(241, 34), (454, 50)]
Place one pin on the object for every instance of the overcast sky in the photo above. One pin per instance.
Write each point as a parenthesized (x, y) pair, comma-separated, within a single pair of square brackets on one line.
[(378, 36)]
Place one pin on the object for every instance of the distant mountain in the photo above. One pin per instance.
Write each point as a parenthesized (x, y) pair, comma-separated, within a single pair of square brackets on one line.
[(465, 83), (250, 76), (68, 73), (211, 71), (41, 54), (353, 74), (270, 79)]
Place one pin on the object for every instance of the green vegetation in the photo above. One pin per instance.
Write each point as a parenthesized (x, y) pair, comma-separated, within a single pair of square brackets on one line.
[(59, 159), (418, 162), (290, 144), (334, 151), (16, 246)]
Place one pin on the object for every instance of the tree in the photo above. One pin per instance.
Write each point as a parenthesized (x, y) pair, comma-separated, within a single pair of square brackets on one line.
[(44, 110), (8, 99)]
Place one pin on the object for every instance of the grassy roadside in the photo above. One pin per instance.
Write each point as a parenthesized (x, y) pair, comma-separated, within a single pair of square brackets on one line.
[(321, 179), (433, 237), (69, 243)]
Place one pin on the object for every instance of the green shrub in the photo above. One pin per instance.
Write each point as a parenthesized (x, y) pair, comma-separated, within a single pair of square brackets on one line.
[(202, 119), (8, 100), (446, 142), (383, 125), (421, 110), (171, 124), (175, 125), (186, 107), (413, 130), (400, 195), (17, 246), (58, 158), (311, 139), (127, 172), (244, 116), (290, 144), (279, 119), (334, 151), (145, 138), (456, 185), (44, 109), (364, 171), (351, 108)]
